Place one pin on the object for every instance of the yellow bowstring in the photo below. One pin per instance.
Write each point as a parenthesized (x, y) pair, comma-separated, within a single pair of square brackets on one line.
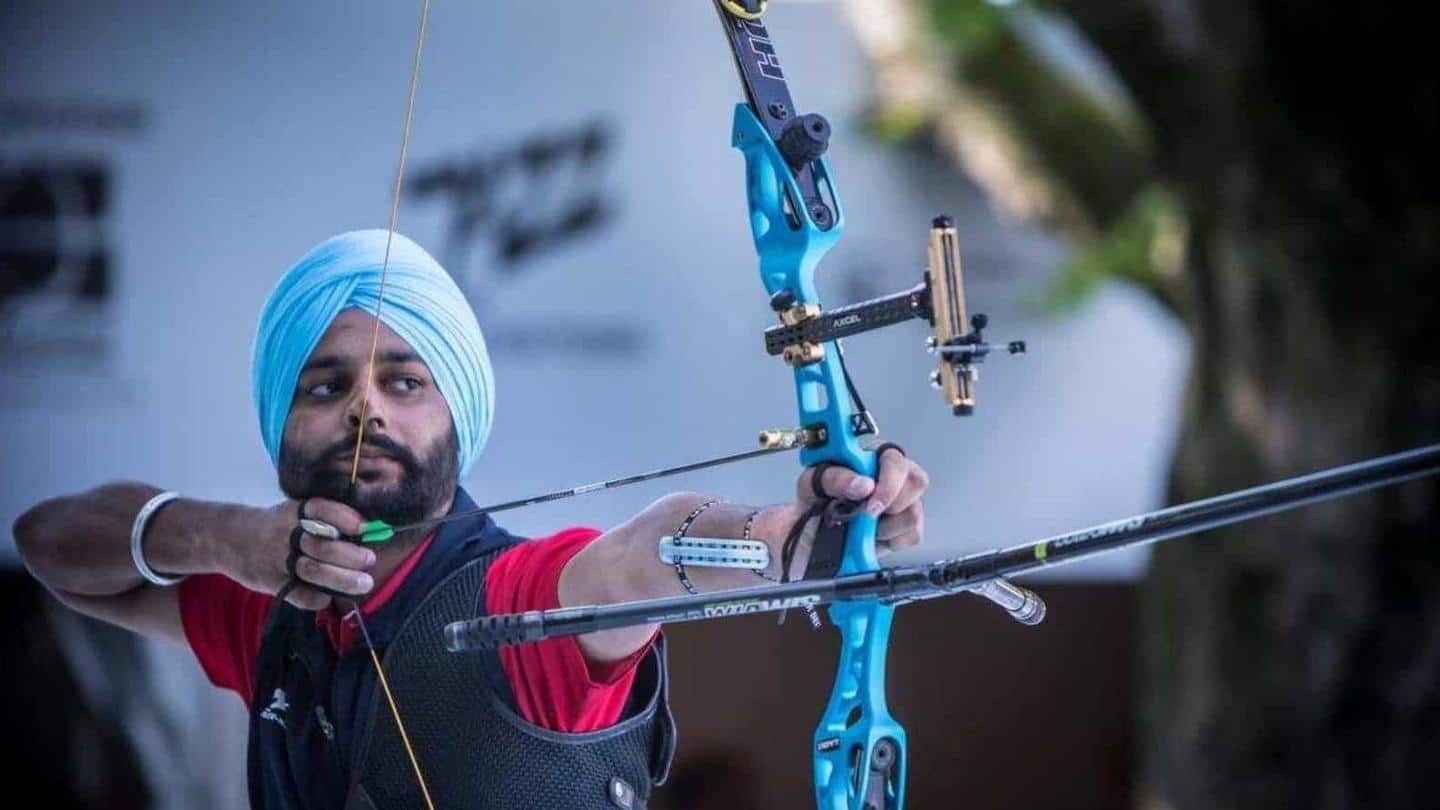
[(370, 377), (739, 11)]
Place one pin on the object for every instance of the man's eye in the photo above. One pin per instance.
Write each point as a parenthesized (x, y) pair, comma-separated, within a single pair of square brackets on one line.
[(405, 384), (324, 389)]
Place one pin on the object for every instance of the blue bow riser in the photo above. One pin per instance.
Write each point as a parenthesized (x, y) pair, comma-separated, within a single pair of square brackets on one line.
[(856, 718)]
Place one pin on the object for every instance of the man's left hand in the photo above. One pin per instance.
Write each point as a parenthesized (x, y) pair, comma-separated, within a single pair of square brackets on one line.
[(893, 496)]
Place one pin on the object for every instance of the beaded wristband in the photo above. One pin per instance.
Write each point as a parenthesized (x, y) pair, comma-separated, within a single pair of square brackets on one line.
[(679, 533)]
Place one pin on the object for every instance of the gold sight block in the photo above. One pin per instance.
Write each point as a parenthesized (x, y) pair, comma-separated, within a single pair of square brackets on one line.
[(947, 302)]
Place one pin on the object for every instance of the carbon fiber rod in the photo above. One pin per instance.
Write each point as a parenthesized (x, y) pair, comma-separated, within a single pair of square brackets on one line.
[(904, 584)]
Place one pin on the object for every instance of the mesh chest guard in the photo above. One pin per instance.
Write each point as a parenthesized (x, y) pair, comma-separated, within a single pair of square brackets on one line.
[(478, 752)]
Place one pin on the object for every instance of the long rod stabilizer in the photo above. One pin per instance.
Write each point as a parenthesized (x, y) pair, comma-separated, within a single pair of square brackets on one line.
[(967, 574)]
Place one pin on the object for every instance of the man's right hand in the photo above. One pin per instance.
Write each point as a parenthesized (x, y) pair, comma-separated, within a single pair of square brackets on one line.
[(258, 561), (79, 547)]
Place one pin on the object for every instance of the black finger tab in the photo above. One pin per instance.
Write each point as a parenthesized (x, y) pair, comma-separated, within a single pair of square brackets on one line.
[(295, 551)]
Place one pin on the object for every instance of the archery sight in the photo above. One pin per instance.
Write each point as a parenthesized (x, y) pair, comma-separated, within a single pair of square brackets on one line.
[(939, 299)]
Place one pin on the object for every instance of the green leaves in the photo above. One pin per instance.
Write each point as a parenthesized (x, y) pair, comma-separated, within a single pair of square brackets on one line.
[(1145, 247)]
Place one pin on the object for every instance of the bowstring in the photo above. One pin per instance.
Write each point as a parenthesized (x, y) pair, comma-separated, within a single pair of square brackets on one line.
[(390, 235), (369, 382)]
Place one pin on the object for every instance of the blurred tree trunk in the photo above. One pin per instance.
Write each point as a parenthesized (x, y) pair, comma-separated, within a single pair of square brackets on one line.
[(1293, 661)]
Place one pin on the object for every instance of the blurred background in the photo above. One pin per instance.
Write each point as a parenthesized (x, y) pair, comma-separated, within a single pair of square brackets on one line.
[(1215, 224)]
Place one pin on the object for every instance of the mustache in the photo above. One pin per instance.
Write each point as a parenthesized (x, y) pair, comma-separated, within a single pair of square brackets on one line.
[(345, 449), (426, 482)]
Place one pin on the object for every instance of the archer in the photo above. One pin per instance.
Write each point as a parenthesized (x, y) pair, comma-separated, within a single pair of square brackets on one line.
[(368, 419)]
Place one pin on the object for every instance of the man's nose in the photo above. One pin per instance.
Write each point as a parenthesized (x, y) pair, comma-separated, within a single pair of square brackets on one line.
[(366, 404)]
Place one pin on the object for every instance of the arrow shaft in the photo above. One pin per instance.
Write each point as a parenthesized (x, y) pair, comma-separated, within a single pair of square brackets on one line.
[(612, 483)]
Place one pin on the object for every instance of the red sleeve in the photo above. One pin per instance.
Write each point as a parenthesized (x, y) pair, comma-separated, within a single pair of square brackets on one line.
[(555, 687), (223, 621)]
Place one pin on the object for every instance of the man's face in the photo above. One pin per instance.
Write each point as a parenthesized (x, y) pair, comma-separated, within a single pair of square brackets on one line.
[(408, 461)]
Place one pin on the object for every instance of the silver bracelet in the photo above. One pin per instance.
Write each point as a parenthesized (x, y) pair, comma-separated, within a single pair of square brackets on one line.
[(137, 534)]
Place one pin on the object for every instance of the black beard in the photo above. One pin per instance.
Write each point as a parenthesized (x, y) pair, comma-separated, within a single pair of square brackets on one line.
[(423, 490)]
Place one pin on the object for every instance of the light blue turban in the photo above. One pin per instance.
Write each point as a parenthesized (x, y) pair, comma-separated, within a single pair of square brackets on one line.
[(422, 304)]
